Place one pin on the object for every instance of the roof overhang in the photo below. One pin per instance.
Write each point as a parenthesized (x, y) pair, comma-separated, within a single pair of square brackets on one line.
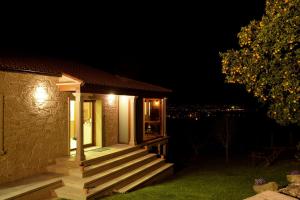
[(68, 83), (90, 88)]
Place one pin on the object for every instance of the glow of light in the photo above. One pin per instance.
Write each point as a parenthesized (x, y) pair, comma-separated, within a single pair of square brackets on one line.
[(156, 103), (111, 99), (41, 94), (72, 110), (124, 98)]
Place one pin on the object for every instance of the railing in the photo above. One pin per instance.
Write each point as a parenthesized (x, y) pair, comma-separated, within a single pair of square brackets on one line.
[(160, 144)]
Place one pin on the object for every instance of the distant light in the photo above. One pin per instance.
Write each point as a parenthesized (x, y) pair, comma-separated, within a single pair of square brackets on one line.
[(196, 118), (111, 99), (41, 94)]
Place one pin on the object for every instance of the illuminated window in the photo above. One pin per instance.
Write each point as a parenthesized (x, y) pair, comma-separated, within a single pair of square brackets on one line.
[(152, 118)]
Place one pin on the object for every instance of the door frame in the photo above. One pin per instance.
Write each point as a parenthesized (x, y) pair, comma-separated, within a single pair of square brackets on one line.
[(93, 124)]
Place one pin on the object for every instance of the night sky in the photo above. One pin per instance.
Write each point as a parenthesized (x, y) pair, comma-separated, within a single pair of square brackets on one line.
[(172, 44)]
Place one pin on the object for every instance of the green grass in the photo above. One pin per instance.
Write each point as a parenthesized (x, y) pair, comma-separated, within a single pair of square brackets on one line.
[(212, 181)]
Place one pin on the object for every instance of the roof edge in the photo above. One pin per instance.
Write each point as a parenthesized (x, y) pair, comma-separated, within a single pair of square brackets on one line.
[(24, 70)]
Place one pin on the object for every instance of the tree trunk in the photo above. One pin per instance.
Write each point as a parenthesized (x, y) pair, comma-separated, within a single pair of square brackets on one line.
[(227, 139)]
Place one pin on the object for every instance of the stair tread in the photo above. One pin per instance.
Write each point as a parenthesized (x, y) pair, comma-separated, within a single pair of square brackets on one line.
[(70, 192), (28, 185), (144, 178), (88, 179), (106, 185), (109, 155), (79, 193), (60, 166), (106, 162)]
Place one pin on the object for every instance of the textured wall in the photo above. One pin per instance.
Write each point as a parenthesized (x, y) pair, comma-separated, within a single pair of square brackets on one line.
[(110, 121), (34, 133)]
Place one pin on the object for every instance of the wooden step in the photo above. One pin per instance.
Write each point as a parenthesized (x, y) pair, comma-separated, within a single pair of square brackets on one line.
[(108, 164), (94, 180), (59, 169), (66, 161), (70, 192), (158, 174), (123, 180), (109, 156), (34, 188)]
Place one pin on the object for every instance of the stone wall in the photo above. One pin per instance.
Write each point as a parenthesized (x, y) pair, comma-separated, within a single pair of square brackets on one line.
[(110, 121), (35, 133)]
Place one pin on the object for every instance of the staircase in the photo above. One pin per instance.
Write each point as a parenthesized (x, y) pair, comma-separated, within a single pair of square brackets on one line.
[(119, 172)]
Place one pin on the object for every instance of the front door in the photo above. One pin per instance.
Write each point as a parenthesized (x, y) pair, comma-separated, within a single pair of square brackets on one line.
[(88, 124)]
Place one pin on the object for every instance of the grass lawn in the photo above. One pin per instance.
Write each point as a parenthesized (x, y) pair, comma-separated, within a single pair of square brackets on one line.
[(212, 180)]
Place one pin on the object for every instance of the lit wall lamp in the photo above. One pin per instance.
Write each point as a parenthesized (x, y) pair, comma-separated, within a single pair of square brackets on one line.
[(111, 99), (41, 94), (156, 102)]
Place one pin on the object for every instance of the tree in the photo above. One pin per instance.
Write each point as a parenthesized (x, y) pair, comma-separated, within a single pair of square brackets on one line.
[(225, 136), (268, 60)]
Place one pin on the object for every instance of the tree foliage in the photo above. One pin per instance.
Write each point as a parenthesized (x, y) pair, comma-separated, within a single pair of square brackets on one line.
[(268, 60)]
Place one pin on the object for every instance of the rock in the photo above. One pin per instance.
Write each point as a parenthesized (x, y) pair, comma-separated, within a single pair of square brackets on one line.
[(272, 186), (295, 178)]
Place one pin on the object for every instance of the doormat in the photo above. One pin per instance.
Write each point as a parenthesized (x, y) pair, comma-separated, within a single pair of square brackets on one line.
[(99, 149)]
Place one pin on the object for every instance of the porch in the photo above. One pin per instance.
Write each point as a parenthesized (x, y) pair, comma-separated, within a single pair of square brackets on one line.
[(117, 168)]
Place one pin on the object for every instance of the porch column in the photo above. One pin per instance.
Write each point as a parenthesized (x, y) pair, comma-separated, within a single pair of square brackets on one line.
[(79, 127), (132, 137), (164, 154), (164, 115)]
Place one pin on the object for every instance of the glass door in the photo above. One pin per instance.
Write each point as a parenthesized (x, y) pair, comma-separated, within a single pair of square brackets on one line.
[(88, 124)]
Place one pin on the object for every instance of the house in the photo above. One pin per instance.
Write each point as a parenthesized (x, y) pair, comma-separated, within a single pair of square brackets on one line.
[(98, 131)]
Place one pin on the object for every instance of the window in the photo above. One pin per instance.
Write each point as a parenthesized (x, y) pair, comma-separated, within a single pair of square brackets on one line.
[(152, 118)]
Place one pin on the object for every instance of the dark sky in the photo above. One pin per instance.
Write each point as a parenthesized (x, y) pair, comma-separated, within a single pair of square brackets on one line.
[(172, 44)]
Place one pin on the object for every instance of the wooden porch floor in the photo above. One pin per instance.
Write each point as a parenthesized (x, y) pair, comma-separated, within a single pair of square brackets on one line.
[(95, 152)]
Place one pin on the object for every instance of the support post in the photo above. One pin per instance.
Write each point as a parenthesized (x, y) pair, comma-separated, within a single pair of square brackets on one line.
[(164, 117), (79, 127), (159, 149), (164, 154), (132, 137)]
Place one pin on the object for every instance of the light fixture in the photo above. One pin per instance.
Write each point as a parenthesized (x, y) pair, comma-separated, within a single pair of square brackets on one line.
[(111, 99), (156, 103), (41, 94)]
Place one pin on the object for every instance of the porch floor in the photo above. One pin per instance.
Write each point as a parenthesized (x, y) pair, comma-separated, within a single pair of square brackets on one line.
[(92, 152)]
